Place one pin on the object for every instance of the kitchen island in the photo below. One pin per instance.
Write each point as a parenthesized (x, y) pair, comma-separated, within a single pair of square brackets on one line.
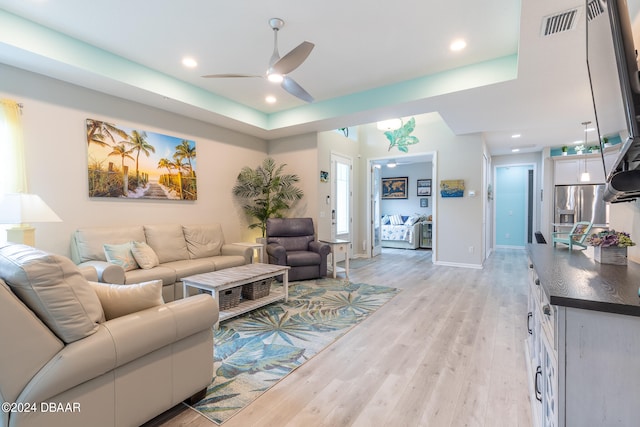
[(583, 344)]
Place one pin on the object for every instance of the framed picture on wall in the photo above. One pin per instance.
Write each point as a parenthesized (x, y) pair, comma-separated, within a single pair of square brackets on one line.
[(424, 202), (424, 187), (395, 188)]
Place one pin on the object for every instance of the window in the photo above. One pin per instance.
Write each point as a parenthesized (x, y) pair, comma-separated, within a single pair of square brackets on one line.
[(342, 198)]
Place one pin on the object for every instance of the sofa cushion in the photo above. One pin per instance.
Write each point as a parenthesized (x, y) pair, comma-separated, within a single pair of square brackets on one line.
[(167, 275), (186, 268), (88, 241), (120, 300), (121, 255), (145, 256), (167, 240), (203, 240), (227, 261), (300, 258), (53, 288)]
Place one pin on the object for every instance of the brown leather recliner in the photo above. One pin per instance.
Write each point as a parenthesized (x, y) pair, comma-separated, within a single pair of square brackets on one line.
[(292, 242)]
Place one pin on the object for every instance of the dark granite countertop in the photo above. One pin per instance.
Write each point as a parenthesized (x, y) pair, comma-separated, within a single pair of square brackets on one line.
[(571, 278)]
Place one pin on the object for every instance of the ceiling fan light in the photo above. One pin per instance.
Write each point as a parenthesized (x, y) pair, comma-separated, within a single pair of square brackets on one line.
[(275, 77), (391, 124)]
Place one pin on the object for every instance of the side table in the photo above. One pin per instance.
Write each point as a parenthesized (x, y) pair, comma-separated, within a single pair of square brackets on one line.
[(339, 246), (259, 247)]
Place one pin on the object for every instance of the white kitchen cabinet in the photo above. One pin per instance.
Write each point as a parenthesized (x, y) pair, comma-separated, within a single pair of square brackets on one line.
[(583, 340), (541, 355), (568, 169)]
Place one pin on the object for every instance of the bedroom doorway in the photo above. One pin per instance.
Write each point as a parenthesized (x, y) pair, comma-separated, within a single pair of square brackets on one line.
[(415, 167)]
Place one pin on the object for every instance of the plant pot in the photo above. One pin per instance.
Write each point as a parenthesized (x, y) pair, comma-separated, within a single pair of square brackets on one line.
[(564, 153), (610, 255)]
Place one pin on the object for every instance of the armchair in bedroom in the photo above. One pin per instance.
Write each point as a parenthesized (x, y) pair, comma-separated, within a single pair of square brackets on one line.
[(292, 242)]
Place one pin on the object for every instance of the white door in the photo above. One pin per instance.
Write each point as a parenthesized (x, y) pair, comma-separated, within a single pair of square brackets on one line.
[(376, 180), (341, 198)]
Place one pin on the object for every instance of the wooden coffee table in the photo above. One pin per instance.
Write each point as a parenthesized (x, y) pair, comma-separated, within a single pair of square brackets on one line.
[(217, 281)]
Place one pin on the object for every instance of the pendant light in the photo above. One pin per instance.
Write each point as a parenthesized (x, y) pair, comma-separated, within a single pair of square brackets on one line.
[(585, 176)]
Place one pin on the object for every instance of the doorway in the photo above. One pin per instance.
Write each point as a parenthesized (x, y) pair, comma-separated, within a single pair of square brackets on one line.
[(415, 167), (341, 198), (515, 210)]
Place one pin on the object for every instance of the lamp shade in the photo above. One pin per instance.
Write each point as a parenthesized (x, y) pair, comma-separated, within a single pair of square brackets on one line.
[(22, 208)]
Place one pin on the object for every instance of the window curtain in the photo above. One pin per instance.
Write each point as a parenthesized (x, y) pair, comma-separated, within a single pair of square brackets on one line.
[(13, 177)]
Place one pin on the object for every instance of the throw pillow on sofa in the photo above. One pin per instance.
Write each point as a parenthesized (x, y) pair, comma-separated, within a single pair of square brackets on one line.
[(120, 300), (53, 288), (121, 255), (144, 255)]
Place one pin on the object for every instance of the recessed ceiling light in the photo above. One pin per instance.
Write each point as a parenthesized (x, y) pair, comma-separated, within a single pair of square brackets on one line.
[(516, 135), (189, 62), (270, 99), (515, 150), (457, 45)]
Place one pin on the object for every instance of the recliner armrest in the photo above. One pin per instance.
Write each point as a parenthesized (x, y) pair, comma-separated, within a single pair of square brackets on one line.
[(278, 253), (231, 249), (107, 272), (319, 247)]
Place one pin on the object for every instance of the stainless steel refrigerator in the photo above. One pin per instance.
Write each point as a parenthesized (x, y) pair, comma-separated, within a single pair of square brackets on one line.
[(575, 203)]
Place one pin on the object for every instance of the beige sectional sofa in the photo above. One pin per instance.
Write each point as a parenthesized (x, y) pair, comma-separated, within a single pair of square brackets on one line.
[(182, 250), (65, 361)]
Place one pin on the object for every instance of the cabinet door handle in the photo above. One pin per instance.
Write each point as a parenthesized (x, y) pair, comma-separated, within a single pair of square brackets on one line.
[(530, 265), (538, 375), (529, 317), (537, 282), (546, 309)]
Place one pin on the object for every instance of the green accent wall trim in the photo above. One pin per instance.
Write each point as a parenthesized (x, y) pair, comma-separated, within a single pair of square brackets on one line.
[(32, 39)]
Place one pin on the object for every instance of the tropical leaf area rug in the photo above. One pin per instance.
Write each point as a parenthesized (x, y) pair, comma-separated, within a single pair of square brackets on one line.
[(255, 351)]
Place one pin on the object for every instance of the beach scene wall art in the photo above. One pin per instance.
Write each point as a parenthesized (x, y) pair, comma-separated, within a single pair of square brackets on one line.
[(452, 188), (135, 164)]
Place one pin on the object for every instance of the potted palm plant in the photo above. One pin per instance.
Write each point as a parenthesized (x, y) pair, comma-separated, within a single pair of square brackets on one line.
[(266, 192)]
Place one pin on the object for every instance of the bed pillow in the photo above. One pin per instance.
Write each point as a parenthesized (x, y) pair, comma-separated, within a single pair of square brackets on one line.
[(120, 255), (411, 220), (144, 255), (385, 220), (120, 300), (396, 220)]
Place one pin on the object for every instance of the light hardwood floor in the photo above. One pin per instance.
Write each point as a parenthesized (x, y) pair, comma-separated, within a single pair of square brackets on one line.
[(447, 351)]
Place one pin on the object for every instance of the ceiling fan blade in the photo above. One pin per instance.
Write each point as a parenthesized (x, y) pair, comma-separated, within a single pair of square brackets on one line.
[(293, 59), (227, 76), (295, 89)]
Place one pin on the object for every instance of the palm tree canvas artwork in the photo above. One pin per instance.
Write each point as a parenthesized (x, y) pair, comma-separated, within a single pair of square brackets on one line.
[(135, 164)]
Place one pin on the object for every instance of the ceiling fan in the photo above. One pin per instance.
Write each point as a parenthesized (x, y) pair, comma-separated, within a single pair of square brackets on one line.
[(279, 68)]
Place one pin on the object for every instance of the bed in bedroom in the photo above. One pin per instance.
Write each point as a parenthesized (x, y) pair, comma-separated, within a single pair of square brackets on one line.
[(398, 231)]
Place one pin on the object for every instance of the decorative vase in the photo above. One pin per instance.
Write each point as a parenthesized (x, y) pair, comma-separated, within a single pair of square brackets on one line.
[(610, 255)]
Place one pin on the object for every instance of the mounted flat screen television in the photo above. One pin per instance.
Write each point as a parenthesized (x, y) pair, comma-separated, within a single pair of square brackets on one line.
[(615, 87)]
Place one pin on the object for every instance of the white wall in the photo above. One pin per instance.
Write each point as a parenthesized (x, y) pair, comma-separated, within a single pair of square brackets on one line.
[(410, 205), (457, 221), (54, 117)]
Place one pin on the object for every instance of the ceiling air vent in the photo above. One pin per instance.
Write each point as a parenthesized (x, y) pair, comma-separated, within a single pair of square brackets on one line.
[(594, 8), (560, 22)]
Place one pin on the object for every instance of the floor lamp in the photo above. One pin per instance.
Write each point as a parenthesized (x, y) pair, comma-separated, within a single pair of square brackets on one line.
[(23, 209)]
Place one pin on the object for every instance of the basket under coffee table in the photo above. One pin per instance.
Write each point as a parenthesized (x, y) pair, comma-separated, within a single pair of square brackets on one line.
[(217, 281)]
